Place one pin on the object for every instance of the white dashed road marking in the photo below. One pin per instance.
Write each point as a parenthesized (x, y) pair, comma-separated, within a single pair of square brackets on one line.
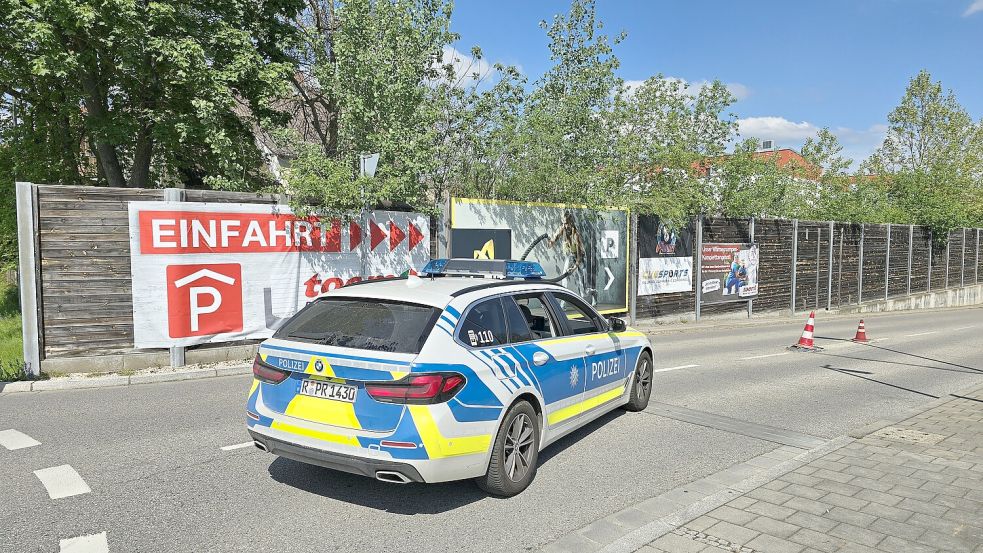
[(965, 327), (768, 355), (237, 446), (12, 439), (674, 368), (95, 543), (922, 333), (62, 481)]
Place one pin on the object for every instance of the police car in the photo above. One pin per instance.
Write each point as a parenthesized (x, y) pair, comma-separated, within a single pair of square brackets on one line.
[(444, 376)]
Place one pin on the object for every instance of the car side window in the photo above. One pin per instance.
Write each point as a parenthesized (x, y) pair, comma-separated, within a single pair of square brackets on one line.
[(519, 330), (484, 325), (537, 315), (581, 319)]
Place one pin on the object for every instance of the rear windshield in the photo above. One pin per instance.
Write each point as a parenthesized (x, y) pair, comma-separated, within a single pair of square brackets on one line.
[(361, 323)]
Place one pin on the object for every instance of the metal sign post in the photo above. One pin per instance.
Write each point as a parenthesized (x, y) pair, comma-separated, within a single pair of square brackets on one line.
[(860, 268), (699, 263), (177, 352), (887, 263), (829, 281), (795, 257), (750, 302), (911, 246)]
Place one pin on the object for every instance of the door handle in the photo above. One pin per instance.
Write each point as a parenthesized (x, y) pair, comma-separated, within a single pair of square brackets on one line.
[(589, 350), (539, 358)]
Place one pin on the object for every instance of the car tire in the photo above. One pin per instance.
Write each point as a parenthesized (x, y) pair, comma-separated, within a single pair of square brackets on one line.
[(511, 468), (641, 384)]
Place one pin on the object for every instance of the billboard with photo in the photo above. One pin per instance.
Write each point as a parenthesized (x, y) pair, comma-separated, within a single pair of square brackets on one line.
[(219, 272), (728, 272), (665, 262), (586, 250)]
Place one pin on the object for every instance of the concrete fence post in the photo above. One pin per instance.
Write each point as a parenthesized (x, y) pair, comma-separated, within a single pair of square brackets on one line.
[(177, 352), (911, 247), (829, 273), (29, 268), (795, 257), (887, 263), (633, 267), (860, 267), (699, 264)]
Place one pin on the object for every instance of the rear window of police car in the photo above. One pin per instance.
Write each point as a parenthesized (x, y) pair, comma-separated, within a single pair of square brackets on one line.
[(362, 323)]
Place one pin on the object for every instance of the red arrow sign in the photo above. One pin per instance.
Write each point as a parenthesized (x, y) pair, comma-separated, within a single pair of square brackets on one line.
[(376, 234), (415, 236), (354, 236), (396, 235)]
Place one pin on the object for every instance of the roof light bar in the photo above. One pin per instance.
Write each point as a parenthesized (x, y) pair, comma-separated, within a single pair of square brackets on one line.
[(486, 268)]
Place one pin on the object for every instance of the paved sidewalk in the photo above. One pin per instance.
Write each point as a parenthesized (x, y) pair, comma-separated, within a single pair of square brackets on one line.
[(913, 486)]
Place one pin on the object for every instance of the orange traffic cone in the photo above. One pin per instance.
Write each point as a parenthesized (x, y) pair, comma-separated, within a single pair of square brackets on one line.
[(805, 342), (861, 336)]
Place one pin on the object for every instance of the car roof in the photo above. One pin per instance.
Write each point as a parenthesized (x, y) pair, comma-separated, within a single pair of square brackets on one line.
[(437, 292)]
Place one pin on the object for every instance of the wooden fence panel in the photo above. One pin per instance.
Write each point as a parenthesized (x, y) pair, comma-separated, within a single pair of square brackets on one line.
[(955, 257), (875, 252), (86, 304), (846, 263), (939, 264), (897, 277), (774, 238)]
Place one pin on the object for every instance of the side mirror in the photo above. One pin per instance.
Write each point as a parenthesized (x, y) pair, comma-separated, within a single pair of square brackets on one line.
[(617, 325)]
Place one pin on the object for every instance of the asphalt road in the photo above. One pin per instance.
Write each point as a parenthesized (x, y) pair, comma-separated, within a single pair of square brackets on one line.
[(160, 481)]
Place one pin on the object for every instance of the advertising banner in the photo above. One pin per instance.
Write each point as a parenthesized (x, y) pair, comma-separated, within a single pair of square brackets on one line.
[(210, 272), (665, 261), (585, 249), (729, 272)]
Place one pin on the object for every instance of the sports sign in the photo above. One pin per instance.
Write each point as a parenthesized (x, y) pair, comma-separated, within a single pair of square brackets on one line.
[(207, 272), (728, 272), (665, 261)]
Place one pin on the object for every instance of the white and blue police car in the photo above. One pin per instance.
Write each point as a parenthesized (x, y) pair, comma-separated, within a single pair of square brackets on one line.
[(443, 377)]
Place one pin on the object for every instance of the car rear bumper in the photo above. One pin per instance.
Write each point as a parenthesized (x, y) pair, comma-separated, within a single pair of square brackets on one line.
[(365, 466)]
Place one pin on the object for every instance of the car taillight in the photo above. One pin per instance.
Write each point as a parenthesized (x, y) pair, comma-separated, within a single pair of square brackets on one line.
[(268, 374), (417, 389)]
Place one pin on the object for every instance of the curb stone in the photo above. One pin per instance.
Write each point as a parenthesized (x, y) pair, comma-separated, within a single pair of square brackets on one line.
[(112, 381)]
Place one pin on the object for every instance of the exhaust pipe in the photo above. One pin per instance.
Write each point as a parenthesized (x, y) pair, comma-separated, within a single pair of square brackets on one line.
[(392, 477), (261, 446)]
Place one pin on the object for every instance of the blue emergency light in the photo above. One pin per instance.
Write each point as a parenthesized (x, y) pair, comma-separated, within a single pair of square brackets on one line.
[(486, 268)]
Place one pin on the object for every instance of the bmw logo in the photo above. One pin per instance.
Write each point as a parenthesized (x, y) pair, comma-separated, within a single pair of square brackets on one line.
[(319, 366)]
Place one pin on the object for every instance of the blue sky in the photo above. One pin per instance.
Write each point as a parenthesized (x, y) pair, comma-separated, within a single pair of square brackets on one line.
[(795, 66)]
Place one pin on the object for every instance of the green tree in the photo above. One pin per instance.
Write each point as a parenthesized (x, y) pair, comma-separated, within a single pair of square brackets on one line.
[(664, 135), (366, 84), (931, 161), (565, 139), (477, 128), (141, 93), (748, 184)]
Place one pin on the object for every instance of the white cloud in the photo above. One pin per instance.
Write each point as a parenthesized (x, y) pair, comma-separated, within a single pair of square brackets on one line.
[(857, 144), (976, 6), (775, 128), (467, 70), (739, 90)]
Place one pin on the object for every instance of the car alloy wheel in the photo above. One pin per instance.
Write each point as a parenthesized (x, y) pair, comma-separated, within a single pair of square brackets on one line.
[(517, 447)]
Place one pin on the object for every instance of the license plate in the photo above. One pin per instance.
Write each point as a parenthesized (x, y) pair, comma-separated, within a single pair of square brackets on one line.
[(328, 390)]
